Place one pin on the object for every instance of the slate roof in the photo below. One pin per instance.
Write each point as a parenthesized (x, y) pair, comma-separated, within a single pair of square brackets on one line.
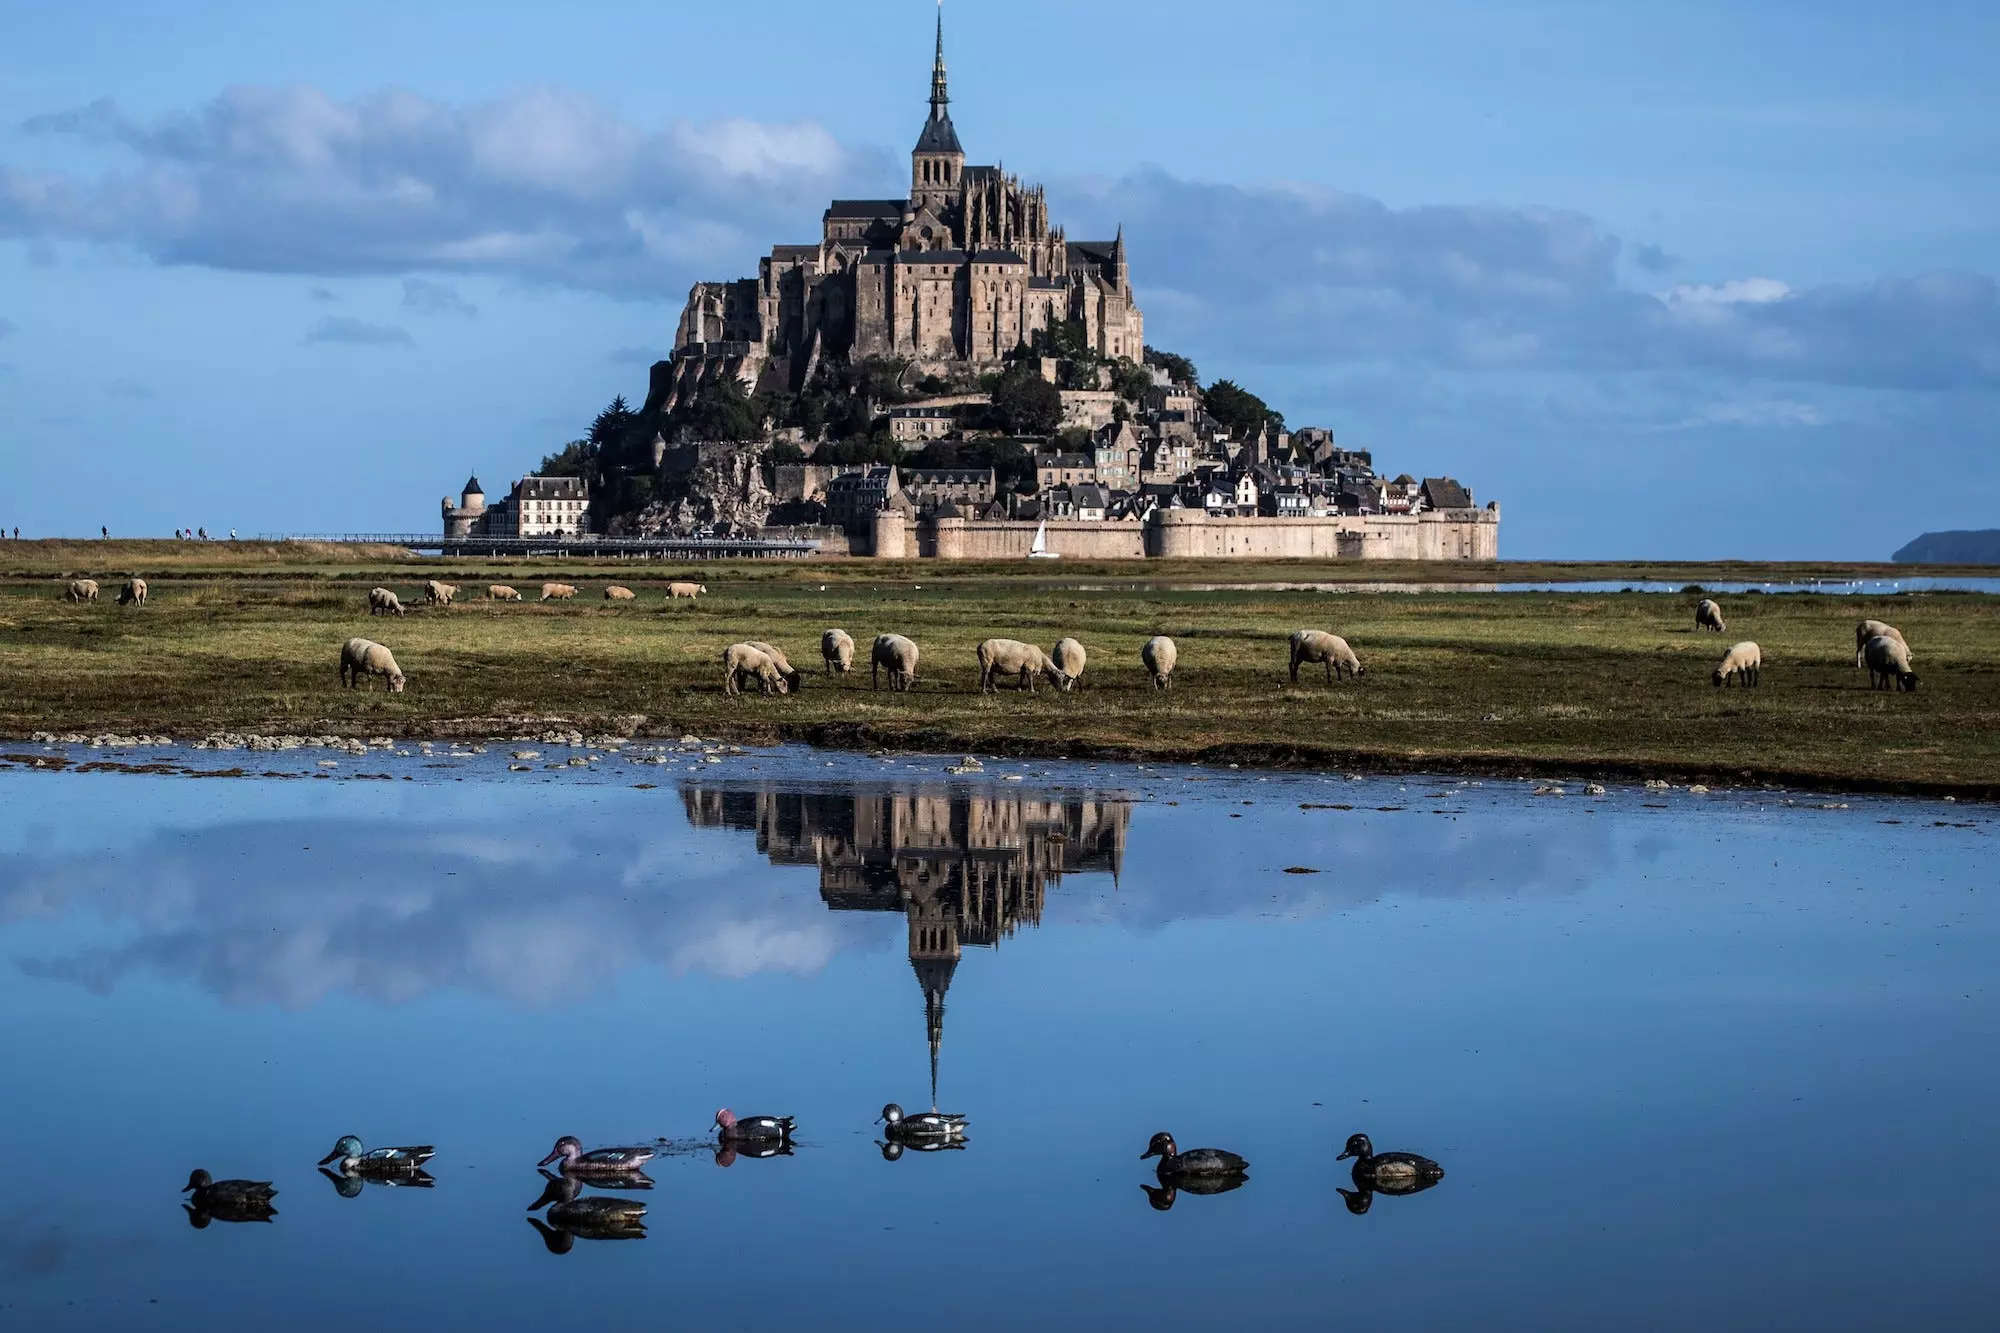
[(939, 137), (998, 257), (1444, 493), (472, 485), (867, 208)]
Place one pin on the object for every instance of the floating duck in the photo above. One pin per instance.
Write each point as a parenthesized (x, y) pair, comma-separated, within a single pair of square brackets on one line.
[(1178, 1167), (731, 1128), (1385, 1172), (349, 1158), (598, 1161), (227, 1200), (572, 1214), (922, 1127)]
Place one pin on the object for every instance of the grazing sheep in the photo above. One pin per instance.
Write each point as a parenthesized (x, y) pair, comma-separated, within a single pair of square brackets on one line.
[(1707, 615), (365, 657), (1314, 645), (1159, 655), (439, 594), (896, 655), (82, 590), (1869, 629), (133, 593), (743, 659), (793, 680), (558, 592), (1069, 658), (836, 651), (1011, 657), (1745, 662), (382, 602), (676, 591), (1888, 660), (615, 593), (500, 592)]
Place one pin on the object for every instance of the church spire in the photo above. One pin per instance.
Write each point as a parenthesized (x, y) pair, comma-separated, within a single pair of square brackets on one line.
[(939, 98)]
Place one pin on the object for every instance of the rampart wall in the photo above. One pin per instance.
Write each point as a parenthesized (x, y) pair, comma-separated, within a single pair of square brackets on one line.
[(1456, 534)]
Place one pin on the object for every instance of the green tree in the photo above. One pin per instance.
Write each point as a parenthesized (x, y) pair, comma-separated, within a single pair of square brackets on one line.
[(722, 411), (1027, 403), (1179, 367), (578, 458), (1239, 410), (1132, 382)]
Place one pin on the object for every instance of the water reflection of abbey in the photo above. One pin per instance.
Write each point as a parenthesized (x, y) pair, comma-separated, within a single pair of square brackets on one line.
[(962, 869)]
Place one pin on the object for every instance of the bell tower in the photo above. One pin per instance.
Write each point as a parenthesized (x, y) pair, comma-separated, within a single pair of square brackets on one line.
[(937, 164)]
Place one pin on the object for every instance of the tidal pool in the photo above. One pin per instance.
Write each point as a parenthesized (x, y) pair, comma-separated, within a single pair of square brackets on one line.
[(1718, 1061)]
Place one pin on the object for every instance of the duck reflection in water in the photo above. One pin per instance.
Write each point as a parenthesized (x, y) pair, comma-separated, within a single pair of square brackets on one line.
[(572, 1214), (215, 1200), (1162, 1196), (1392, 1173), (350, 1186)]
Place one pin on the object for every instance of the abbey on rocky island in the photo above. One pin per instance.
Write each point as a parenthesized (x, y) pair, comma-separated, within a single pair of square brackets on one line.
[(963, 271)]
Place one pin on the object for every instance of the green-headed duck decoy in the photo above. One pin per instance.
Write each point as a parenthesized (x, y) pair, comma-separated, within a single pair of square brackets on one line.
[(349, 1158), (227, 1200), (923, 1127), (1387, 1172), (732, 1128), (598, 1161), (572, 1214), (1194, 1162)]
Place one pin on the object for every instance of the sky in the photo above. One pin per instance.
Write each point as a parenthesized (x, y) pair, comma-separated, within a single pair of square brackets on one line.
[(1693, 281)]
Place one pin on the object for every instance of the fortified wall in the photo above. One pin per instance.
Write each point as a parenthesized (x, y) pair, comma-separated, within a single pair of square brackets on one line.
[(1445, 534)]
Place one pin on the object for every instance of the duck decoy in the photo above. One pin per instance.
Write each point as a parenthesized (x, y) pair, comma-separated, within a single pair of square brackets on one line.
[(227, 1200), (923, 1126), (732, 1128), (1386, 1172), (572, 1214), (349, 1158), (1195, 1162), (598, 1161)]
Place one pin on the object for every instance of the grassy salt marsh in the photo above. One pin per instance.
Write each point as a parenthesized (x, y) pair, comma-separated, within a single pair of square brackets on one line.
[(248, 638)]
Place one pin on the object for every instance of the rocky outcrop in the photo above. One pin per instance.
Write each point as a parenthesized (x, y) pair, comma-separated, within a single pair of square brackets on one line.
[(1980, 547), (724, 489)]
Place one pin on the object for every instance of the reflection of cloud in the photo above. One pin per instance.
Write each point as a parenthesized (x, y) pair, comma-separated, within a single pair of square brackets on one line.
[(288, 912), (254, 914)]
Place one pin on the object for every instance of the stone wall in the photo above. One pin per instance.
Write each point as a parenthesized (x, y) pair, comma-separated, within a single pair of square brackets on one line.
[(1459, 534)]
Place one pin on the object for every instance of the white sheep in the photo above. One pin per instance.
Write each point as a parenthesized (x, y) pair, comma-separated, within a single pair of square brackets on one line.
[(558, 592), (365, 657), (500, 592), (1069, 658), (1744, 662), (836, 651), (1011, 657), (690, 591), (1869, 629), (382, 602), (133, 593), (1888, 660), (1314, 645), (82, 590), (615, 593), (439, 594), (1159, 656), (793, 680), (743, 659), (1707, 615), (896, 655)]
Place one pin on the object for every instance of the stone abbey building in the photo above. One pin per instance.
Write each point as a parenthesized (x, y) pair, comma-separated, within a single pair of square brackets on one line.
[(960, 272)]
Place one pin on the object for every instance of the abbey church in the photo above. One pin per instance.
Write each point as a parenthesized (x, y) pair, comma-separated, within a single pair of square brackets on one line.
[(963, 270)]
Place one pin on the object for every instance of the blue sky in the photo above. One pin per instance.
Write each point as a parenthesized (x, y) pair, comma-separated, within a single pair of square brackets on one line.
[(1693, 281)]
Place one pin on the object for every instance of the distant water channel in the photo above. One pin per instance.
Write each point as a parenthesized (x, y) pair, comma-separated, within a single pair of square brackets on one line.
[(1717, 1061), (1825, 587)]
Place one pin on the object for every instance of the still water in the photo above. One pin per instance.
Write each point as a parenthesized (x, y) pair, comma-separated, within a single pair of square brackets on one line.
[(1714, 1061)]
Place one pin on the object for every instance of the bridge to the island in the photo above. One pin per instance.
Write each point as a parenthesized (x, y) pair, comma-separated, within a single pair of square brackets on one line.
[(587, 547)]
